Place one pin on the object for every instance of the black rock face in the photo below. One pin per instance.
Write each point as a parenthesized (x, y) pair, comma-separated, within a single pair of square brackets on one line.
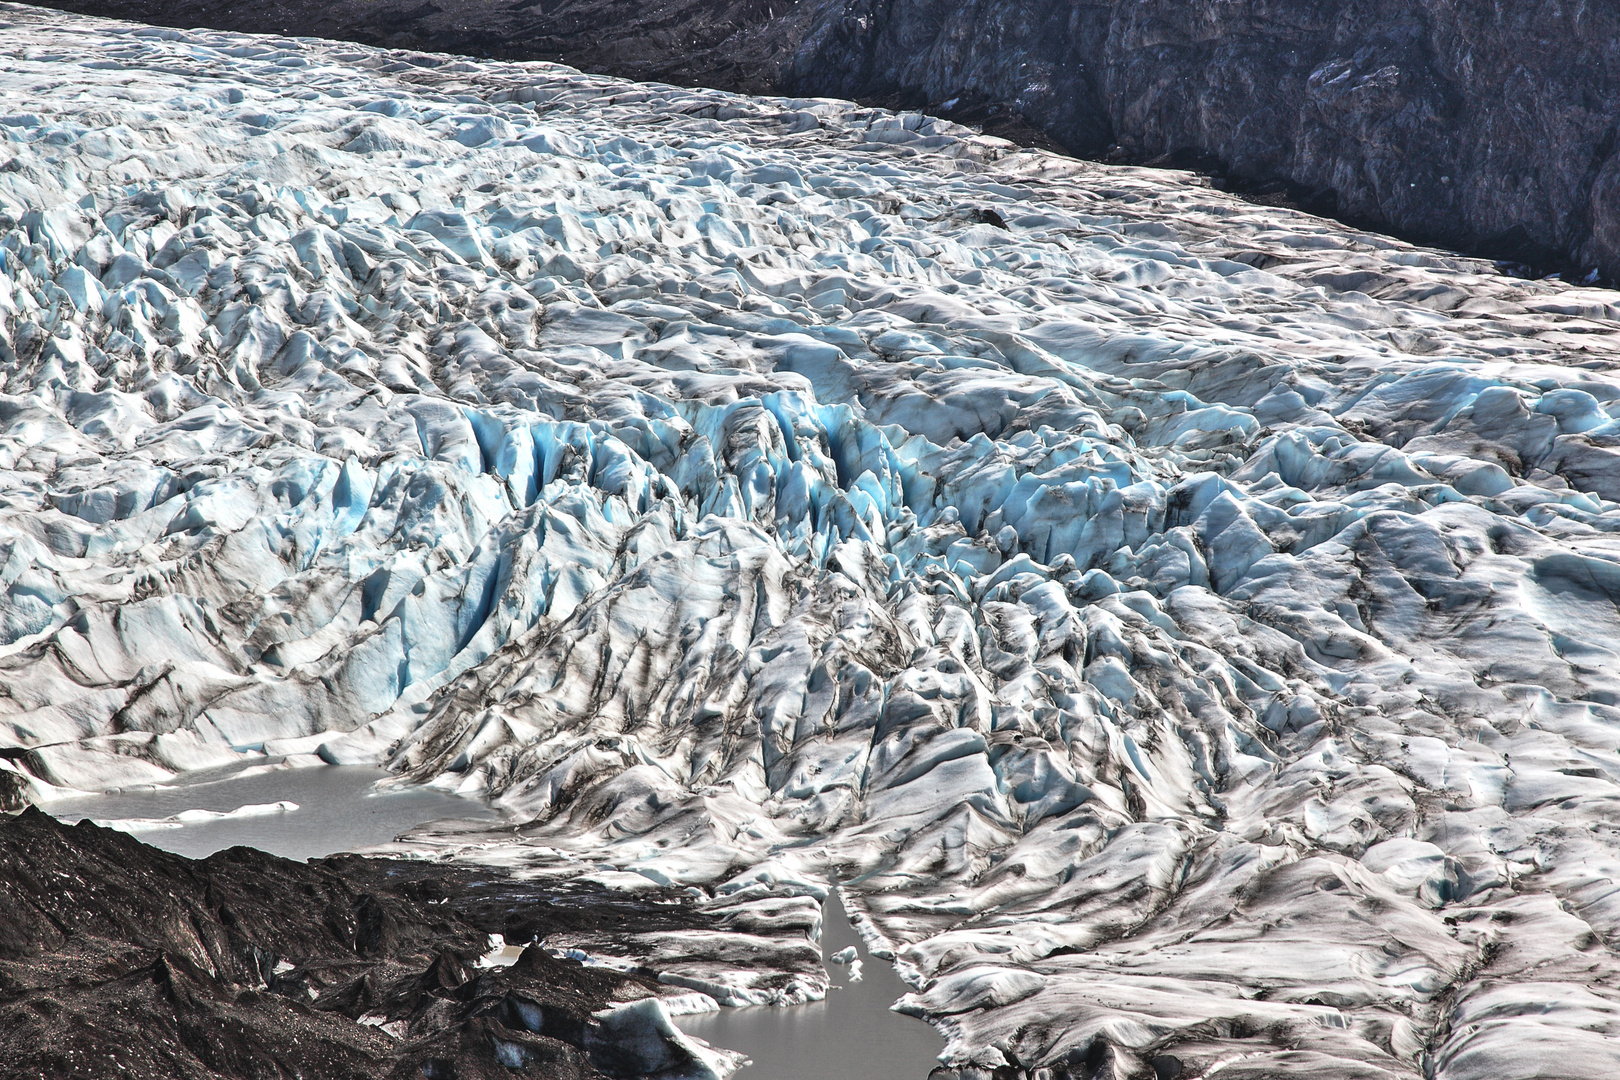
[(120, 960), (1485, 126), (730, 44), (1482, 125)]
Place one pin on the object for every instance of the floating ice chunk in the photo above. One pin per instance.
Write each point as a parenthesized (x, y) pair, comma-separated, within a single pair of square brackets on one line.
[(196, 817), (844, 956), (639, 1038)]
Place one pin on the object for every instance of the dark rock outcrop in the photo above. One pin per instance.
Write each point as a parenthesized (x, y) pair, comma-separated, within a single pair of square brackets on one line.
[(1485, 126), (741, 45), (117, 959)]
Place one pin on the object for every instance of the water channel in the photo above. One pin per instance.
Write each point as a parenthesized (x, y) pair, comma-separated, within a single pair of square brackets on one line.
[(851, 1035)]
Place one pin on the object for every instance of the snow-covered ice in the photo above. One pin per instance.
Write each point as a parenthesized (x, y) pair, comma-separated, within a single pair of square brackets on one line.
[(196, 817), (639, 1039), (1189, 630)]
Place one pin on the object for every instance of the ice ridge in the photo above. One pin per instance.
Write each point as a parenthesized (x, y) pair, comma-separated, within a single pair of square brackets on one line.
[(1186, 628)]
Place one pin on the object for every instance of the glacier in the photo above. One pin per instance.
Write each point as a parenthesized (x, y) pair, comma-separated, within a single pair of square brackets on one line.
[(1185, 632)]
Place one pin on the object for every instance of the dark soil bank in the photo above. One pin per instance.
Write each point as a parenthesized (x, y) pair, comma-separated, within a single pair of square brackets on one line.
[(1483, 125), (120, 960)]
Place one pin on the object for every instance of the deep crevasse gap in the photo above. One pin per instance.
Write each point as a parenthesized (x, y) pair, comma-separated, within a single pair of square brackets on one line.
[(1188, 626)]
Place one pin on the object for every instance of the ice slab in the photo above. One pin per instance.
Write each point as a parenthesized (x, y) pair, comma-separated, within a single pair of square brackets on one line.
[(196, 816)]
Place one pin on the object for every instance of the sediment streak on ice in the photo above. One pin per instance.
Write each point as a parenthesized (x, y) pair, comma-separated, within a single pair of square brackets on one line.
[(1187, 628)]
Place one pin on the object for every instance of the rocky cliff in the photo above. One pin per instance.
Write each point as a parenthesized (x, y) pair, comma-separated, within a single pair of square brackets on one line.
[(118, 959), (1481, 125)]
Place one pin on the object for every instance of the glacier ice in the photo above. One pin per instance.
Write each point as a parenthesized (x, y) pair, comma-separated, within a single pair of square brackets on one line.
[(196, 816), (640, 1039), (1185, 630)]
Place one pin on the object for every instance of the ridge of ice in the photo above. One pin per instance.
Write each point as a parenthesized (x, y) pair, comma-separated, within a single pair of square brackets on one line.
[(638, 1038), (196, 817), (1190, 626)]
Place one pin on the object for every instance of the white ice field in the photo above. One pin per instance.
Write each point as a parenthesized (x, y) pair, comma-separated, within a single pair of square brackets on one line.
[(1187, 628)]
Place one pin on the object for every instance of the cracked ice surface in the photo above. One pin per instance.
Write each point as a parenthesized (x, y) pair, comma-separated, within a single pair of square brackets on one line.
[(1188, 628)]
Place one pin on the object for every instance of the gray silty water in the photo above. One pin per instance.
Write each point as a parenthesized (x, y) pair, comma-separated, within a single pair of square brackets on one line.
[(851, 1035), (338, 810)]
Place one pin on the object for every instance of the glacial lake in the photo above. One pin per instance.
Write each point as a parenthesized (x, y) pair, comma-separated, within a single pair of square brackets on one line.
[(338, 810), (852, 1035)]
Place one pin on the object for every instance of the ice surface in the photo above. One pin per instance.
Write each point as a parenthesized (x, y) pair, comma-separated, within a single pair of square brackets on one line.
[(639, 1039), (1187, 628), (196, 816)]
